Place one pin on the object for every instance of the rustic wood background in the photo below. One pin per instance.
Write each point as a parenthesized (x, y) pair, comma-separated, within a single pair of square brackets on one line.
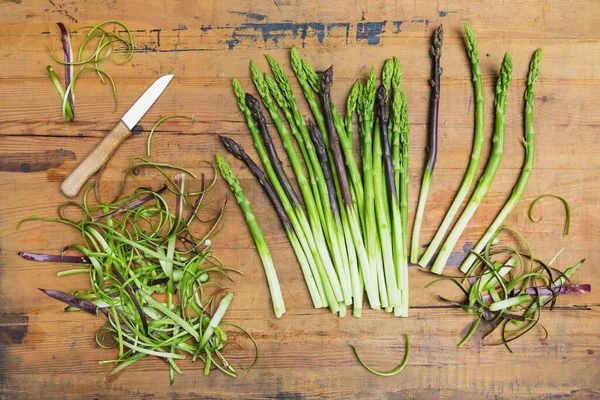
[(45, 353)]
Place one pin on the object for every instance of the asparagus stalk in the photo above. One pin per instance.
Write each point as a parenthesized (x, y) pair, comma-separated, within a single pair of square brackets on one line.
[(261, 122), (334, 140), (311, 158), (348, 148), (351, 212), (315, 225), (395, 121), (300, 72), (320, 147), (376, 169), (238, 151), (519, 187), (277, 94), (392, 250), (346, 142), (436, 71), (257, 235), (365, 114), (311, 76), (308, 80), (330, 216), (336, 248), (404, 178), (344, 132), (475, 153), (295, 213), (490, 169), (400, 129)]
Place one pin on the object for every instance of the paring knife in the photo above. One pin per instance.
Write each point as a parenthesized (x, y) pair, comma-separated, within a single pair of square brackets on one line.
[(101, 154)]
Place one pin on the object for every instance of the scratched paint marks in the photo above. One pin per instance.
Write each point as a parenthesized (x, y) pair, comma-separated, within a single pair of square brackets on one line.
[(62, 10), (370, 31), (256, 31), (273, 32), (334, 26), (35, 162), (250, 15), (442, 13)]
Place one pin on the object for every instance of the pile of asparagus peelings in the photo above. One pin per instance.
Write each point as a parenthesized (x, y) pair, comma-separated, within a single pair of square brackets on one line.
[(349, 229)]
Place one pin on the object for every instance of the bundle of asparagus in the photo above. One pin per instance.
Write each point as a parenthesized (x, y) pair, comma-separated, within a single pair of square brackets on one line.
[(347, 240), (349, 227)]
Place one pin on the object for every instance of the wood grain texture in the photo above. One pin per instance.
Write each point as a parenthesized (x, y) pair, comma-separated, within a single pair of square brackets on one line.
[(47, 353)]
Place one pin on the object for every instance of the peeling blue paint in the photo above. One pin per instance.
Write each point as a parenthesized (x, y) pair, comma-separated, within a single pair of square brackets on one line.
[(250, 15), (334, 25), (279, 30), (420, 20), (234, 41), (158, 31), (398, 26), (180, 27), (371, 31), (445, 13), (206, 28)]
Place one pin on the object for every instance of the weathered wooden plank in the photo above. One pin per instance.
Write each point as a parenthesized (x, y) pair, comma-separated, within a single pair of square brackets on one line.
[(47, 353), (319, 347), (212, 100)]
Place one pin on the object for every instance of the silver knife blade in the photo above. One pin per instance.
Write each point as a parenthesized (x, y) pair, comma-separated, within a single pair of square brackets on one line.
[(143, 104)]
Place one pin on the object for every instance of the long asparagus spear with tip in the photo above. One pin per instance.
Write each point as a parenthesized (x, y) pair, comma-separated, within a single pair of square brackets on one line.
[(238, 151), (391, 250), (436, 71), (519, 187), (298, 216), (315, 224), (333, 235), (489, 172), (257, 235), (478, 138), (351, 212)]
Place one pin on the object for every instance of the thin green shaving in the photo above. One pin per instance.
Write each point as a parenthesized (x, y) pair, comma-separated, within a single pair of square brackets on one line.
[(394, 371)]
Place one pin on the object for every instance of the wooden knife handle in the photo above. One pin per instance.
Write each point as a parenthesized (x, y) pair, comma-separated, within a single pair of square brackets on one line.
[(95, 160)]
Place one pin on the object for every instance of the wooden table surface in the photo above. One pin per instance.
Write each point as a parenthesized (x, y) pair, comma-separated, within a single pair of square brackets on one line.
[(45, 353)]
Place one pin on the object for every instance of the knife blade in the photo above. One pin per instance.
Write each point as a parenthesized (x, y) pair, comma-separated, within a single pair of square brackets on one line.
[(105, 149)]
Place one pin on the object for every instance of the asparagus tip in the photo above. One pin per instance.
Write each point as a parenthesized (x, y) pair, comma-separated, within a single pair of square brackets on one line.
[(381, 94), (438, 39), (327, 79), (231, 146), (253, 105)]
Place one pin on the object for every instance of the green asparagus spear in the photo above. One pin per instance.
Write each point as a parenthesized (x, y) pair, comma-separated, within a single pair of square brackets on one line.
[(490, 170), (257, 235), (436, 71), (336, 247), (238, 151), (469, 177), (381, 177), (296, 214), (527, 163)]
